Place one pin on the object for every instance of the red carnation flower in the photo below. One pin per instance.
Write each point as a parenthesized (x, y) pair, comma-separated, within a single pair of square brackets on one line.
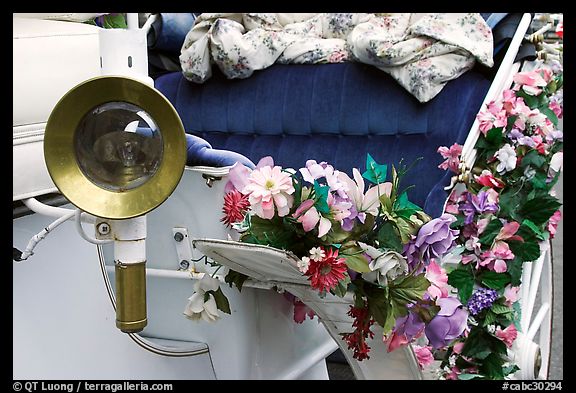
[(235, 207)]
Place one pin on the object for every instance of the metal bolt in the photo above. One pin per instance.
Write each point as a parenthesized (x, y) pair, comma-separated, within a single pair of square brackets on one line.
[(184, 264), (178, 236), (103, 228)]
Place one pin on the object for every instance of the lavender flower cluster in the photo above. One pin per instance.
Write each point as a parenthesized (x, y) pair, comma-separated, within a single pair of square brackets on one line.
[(481, 299)]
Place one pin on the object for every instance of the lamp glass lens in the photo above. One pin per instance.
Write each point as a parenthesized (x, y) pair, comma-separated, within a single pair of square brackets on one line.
[(118, 146)]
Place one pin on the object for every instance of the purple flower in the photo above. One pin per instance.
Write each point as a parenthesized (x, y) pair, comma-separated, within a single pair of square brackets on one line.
[(448, 324), (478, 204), (515, 134), (434, 239), (407, 328), (481, 299)]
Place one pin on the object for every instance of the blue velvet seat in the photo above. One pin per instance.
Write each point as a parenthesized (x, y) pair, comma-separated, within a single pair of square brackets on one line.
[(334, 112), (331, 112)]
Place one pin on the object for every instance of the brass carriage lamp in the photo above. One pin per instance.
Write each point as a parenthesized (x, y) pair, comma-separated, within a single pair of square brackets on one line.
[(115, 147)]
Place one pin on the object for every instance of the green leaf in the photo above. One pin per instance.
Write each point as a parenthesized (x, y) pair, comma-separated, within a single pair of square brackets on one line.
[(533, 158), (527, 251), (403, 207), (458, 223), (405, 290), (509, 202), (389, 237), (462, 279), (490, 232), (539, 209), (386, 203), (534, 228), (510, 369), (221, 301), (406, 229), (378, 304), (479, 342), (342, 287), (494, 136), (321, 198), (549, 114), (376, 173), (495, 280), (467, 377), (539, 181), (515, 271), (114, 22), (235, 278), (492, 366), (532, 101), (487, 145), (489, 318), (356, 262), (500, 309)]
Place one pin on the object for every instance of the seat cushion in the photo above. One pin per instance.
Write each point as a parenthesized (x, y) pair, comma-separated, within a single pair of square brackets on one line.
[(49, 58), (332, 112)]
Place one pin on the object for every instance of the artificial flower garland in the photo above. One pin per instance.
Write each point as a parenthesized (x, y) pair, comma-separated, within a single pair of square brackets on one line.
[(389, 253), (503, 213)]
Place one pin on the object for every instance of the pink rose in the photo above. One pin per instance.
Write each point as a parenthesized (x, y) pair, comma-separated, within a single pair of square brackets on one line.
[(423, 355)]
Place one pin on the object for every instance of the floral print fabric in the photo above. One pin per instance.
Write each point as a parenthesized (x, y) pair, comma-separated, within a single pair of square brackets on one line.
[(420, 51)]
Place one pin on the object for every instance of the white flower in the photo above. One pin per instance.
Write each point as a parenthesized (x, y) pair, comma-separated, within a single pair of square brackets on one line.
[(314, 171), (507, 159), (556, 162), (317, 254), (384, 265), (202, 305), (303, 264)]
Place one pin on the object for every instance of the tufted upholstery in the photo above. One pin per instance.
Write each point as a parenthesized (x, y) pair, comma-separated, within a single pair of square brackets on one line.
[(333, 112)]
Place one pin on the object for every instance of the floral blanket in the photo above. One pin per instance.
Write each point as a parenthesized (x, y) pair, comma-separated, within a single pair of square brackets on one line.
[(420, 51)]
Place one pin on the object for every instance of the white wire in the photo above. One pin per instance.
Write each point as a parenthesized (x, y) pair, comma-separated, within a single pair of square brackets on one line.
[(29, 251), (80, 230)]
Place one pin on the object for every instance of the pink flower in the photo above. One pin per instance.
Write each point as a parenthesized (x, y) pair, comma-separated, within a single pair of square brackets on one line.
[(556, 108), (301, 310), (487, 179), (314, 171), (237, 177), (438, 280), (452, 157), (308, 215), (395, 341), (495, 259), (453, 374), (511, 295), (507, 335), (509, 101), (531, 81), (553, 223), (458, 347), (494, 117), (338, 57), (268, 189), (507, 232), (364, 203), (423, 355)]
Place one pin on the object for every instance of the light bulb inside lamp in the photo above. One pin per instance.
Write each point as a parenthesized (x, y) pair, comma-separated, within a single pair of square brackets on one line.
[(118, 146)]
